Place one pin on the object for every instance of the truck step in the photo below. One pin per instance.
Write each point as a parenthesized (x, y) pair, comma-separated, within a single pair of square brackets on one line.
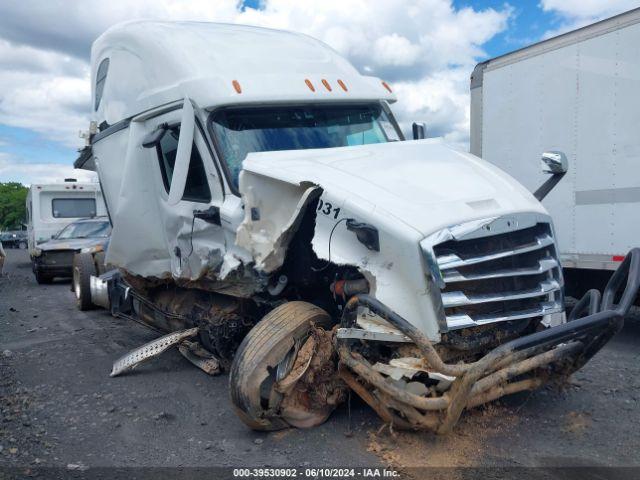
[(150, 350)]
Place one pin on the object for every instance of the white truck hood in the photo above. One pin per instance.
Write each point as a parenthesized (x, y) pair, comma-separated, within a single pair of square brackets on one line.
[(425, 184), (405, 190)]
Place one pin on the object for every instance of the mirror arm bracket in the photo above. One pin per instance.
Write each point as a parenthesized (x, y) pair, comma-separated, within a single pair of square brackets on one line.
[(548, 185), (152, 139), (419, 131)]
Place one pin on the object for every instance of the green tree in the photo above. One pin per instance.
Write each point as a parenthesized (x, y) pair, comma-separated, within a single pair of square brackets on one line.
[(13, 211)]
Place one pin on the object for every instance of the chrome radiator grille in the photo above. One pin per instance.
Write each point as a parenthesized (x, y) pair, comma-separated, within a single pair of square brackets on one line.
[(492, 277)]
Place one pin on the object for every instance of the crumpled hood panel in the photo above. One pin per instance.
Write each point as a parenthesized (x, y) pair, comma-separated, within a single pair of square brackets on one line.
[(426, 184)]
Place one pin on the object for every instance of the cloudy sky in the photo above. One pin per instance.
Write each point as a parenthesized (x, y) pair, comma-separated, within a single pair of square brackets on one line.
[(425, 48)]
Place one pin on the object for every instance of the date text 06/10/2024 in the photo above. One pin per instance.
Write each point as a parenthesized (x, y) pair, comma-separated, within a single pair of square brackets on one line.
[(315, 473)]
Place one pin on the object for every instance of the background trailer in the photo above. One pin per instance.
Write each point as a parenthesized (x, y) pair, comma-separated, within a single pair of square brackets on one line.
[(578, 93)]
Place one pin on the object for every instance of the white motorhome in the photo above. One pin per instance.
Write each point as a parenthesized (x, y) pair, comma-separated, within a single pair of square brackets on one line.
[(53, 206), (577, 93), (265, 204)]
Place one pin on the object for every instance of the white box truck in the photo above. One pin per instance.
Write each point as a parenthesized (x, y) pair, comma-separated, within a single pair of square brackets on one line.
[(51, 207), (577, 93), (266, 205)]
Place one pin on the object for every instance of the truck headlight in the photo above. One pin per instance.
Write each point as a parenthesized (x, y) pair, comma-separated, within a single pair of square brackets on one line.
[(95, 249)]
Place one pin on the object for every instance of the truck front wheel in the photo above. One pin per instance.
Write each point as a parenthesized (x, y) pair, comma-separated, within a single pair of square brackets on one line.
[(266, 355), (83, 268)]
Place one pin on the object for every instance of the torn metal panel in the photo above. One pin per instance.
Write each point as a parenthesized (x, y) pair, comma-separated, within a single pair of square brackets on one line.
[(373, 327), (150, 350), (408, 367), (372, 322), (415, 365), (273, 210), (363, 334), (395, 373)]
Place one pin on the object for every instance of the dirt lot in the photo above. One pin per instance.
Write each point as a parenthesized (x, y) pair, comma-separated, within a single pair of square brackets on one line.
[(60, 408)]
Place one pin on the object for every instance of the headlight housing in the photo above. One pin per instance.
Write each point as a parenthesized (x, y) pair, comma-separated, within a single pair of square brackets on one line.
[(94, 249)]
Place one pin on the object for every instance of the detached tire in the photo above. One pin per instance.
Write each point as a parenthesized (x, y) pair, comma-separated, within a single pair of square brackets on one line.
[(83, 268), (254, 367)]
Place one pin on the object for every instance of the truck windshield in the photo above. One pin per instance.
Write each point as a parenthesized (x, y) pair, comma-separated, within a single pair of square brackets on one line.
[(240, 131), (85, 230)]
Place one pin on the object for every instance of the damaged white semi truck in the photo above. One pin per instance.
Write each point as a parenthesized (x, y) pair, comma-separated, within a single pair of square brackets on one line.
[(262, 196)]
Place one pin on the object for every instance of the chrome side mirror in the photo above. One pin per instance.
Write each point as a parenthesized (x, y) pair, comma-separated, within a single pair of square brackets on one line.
[(554, 162), (419, 130)]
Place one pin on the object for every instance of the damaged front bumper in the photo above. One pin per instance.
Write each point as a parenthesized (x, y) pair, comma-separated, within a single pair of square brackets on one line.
[(522, 364)]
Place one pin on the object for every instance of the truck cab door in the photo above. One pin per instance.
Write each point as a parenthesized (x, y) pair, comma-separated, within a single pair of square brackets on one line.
[(189, 194)]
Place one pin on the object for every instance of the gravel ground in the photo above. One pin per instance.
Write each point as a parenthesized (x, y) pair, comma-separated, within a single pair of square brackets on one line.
[(59, 407)]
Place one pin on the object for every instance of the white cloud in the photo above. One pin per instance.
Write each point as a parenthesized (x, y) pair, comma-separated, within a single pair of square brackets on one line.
[(578, 13), (395, 50), (440, 100), (588, 8), (54, 105), (425, 48), (44, 52), (11, 171), (72, 25)]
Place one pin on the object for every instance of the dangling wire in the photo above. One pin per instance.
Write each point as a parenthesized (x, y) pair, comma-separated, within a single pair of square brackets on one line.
[(177, 250), (330, 237), (193, 219)]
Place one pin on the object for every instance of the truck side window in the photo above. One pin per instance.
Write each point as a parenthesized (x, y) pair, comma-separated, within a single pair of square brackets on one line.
[(197, 187)]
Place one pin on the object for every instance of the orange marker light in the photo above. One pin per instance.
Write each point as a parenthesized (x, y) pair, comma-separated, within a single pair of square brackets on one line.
[(309, 84), (386, 85), (342, 85), (236, 86), (326, 84)]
